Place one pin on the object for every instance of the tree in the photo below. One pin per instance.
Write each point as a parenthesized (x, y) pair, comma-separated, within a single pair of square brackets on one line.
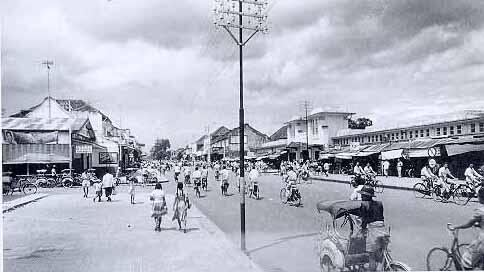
[(160, 150), (360, 123)]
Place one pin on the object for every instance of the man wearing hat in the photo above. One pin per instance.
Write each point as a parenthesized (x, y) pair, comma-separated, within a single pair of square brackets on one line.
[(372, 225)]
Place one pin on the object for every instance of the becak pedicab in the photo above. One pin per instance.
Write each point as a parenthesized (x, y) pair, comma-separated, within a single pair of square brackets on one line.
[(343, 244)]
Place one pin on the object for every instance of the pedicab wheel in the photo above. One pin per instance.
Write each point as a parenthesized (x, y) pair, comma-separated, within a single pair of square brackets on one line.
[(50, 183), (283, 196), (29, 189), (439, 259), (42, 183), (327, 265), (378, 187), (67, 182), (420, 190), (398, 266), (463, 194)]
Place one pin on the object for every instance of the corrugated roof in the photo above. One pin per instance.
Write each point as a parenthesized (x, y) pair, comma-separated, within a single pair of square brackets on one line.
[(417, 122), (279, 134), (53, 124)]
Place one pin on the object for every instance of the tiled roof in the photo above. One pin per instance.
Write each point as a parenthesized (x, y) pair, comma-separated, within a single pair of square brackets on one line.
[(76, 105), (279, 134)]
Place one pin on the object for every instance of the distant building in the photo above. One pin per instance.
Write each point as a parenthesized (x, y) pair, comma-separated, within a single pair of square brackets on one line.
[(227, 145)]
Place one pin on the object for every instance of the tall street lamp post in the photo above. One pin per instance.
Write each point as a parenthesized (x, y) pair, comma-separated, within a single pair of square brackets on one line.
[(229, 15)]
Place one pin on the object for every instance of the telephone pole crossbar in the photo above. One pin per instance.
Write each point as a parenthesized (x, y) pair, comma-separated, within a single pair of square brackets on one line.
[(229, 15)]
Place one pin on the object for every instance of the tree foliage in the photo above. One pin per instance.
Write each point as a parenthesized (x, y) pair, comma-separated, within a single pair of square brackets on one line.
[(160, 150), (360, 123)]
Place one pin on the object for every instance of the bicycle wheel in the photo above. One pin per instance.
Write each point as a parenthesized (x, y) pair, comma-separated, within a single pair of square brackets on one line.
[(378, 186), (29, 189), (463, 194), (283, 196), (67, 182), (420, 190), (439, 259), (437, 194)]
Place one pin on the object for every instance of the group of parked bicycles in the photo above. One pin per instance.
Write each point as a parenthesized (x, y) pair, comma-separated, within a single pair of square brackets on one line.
[(28, 184)]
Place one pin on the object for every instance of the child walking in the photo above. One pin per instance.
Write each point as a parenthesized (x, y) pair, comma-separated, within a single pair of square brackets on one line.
[(99, 192), (131, 190)]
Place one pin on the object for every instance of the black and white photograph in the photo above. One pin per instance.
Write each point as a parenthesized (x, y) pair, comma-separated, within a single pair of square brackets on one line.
[(242, 135)]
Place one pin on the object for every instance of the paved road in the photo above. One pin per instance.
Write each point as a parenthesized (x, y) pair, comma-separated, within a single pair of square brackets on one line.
[(285, 238)]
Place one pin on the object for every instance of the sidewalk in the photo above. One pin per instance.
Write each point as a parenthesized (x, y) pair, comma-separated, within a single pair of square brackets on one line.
[(390, 182), (10, 205), (70, 233)]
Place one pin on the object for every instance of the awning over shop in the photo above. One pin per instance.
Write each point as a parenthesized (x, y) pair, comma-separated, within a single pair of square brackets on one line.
[(455, 149), (418, 153), (283, 152), (391, 154), (326, 156), (344, 156), (35, 153), (366, 153), (273, 156)]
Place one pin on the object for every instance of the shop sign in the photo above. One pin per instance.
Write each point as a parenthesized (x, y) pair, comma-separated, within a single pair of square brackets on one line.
[(433, 152), (83, 149), (108, 157)]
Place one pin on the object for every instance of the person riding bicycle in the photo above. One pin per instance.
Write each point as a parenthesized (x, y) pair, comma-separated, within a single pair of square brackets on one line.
[(428, 174), (177, 170), (473, 257), (253, 183), (290, 179), (369, 172), (359, 174), (187, 172), (197, 178), (225, 177), (444, 175), (473, 178), (216, 169), (205, 175)]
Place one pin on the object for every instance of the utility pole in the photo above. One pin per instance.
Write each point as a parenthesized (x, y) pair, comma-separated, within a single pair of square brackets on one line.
[(209, 145), (48, 63), (226, 14), (306, 106)]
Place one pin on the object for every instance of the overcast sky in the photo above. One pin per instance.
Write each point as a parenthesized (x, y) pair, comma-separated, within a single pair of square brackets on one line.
[(162, 69)]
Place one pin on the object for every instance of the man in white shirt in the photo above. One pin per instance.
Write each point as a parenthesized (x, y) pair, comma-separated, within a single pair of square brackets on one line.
[(225, 177), (386, 166), (399, 168), (473, 177), (108, 184), (253, 176), (197, 176), (444, 175), (369, 171), (326, 168)]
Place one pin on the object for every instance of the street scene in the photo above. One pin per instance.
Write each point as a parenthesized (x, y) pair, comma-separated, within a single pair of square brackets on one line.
[(242, 135)]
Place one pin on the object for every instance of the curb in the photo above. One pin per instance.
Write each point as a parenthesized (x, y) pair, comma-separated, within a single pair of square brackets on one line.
[(12, 205), (347, 182), (213, 229)]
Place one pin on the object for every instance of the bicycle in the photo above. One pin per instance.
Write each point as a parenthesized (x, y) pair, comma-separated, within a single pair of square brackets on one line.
[(461, 194), (204, 184), (197, 184), (23, 184), (443, 259)]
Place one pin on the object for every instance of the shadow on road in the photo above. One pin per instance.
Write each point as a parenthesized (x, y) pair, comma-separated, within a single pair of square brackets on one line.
[(282, 240)]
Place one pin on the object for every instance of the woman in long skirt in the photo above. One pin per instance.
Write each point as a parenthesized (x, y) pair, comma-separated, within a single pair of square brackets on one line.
[(180, 207), (158, 205)]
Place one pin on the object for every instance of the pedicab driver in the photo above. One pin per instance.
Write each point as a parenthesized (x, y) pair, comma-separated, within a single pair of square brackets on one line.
[(372, 226), (291, 178)]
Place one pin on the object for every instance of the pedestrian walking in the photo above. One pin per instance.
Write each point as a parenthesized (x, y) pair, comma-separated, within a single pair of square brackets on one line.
[(180, 208), (108, 184), (85, 183), (399, 168), (326, 168), (158, 207), (386, 166), (131, 191), (98, 190)]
